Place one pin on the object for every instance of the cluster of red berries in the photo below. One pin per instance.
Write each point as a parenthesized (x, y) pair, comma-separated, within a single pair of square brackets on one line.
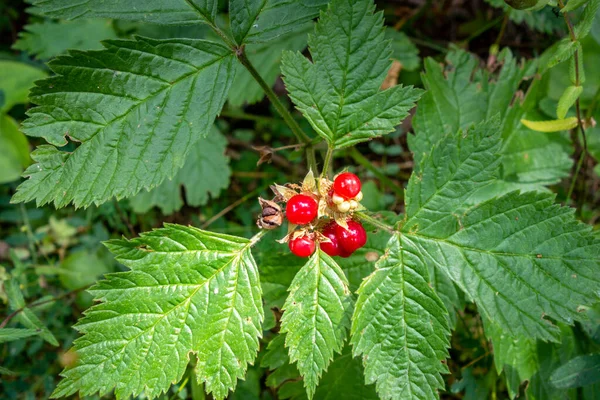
[(333, 238)]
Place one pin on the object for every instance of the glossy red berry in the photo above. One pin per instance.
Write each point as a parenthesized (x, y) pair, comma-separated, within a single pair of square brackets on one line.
[(330, 248), (302, 246), (347, 185), (353, 238), (301, 209)]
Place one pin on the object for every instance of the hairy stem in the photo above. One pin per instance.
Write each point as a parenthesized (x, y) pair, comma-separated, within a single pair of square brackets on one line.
[(327, 162), (362, 160), (281, 109), (375, 222)]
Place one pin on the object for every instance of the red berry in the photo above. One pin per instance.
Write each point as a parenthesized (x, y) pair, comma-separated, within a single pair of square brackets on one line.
[(347, 185), (301, 209), (353, 238), (302, 246), (331, 248)]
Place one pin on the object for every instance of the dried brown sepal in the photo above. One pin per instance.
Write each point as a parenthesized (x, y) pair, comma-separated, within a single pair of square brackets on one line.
[(266, 154), (271, 216), (282, 193)]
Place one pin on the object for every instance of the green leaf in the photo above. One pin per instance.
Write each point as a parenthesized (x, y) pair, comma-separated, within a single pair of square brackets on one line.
[(520, 258), (517, 357), (344, 379), (400, 326), (543, 20), (6, 371), (49, 39), (568, 98), (528, 5), (168, 12), (137, 107), (16, 301), (582, 29), (316, 317), (187, 291), (551, 126), (362, 262), (403, 50), (245, 89), (205, 172), (560, 52), (15, 81), (578, 372), (11, 334), (573, 5), (438, 190), (339, 91), (256, 21), (14, 157), (461, 95), (550, 357)]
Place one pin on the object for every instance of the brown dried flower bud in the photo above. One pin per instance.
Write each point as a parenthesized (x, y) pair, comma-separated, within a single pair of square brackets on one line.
[(271, 216)]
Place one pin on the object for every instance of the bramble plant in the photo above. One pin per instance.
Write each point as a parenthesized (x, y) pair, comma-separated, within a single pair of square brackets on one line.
[(480, 224)]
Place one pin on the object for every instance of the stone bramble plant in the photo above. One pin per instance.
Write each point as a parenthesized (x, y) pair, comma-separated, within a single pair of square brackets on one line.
[(476, 228)]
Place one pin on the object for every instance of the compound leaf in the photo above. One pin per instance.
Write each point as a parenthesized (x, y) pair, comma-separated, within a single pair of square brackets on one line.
[(16, 301), (187, 291), (520, 257), (461, 95), (136, 107), (205, 172), (339, 91), (316, 317), (400, 326)]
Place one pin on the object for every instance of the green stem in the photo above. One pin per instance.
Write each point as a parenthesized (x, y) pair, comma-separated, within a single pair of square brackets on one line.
[(577, 169), (208, 20), (256, 238), (281, 109), (375, 222), (327, 162), (362, 160), (577, 105)]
